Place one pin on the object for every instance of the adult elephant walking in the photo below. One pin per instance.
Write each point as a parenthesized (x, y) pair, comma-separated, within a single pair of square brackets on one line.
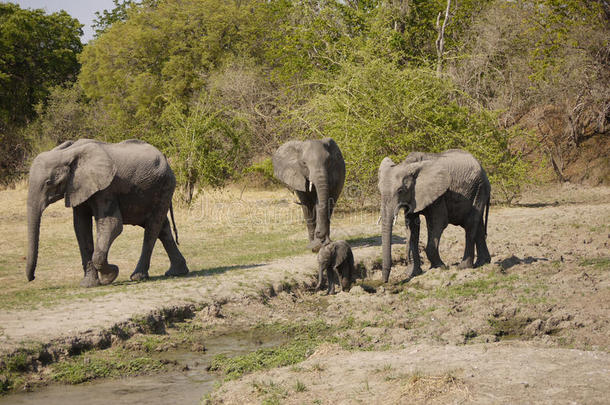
[(447, 188), (315, 171), (123, 183)]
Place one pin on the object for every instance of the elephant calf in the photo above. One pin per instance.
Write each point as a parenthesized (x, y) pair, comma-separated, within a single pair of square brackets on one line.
[(337, 260)]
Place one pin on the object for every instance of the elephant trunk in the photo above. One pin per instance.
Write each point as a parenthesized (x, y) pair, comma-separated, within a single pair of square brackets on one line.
[(386, 242), (35, 209), (323, 212)]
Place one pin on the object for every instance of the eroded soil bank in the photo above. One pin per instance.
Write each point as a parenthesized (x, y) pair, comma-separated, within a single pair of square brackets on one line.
[(532, 326)]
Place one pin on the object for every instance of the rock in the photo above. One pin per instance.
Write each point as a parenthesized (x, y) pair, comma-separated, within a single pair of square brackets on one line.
[(356, 290), (198, 347), (485, 339), (535, 327)]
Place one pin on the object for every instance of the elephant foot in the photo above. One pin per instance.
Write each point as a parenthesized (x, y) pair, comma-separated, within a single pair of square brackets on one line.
[(481, 261), (180, 270), (138, 276), (90, 279), (465, 264), (89, 282), (436, 265), (413, 271), (108, 273)]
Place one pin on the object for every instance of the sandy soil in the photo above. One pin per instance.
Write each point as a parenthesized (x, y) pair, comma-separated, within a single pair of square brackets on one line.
[(425, 374), (533, 326)]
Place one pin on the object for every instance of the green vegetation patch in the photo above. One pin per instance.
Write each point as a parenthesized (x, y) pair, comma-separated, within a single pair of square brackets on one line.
[(598, 263), (509, 328), (489, 284), (305, 339), (104, 365)]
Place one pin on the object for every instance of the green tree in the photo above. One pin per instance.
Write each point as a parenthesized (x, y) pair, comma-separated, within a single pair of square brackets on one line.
[(37, 51), (204, 145)]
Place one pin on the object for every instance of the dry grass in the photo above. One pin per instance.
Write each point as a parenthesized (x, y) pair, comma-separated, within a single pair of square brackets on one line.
[(425, 389)]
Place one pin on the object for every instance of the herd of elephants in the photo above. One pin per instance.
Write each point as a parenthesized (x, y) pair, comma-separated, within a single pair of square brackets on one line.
[(132, 183)]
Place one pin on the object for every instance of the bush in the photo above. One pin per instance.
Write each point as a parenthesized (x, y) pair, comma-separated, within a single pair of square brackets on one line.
[(203, 144), (375, 109)]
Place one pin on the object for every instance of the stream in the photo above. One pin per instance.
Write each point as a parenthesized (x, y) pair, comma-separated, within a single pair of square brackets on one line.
[(186, 387)]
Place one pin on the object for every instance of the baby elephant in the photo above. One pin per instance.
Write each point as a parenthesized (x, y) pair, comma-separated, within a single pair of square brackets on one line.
[(338, 261)]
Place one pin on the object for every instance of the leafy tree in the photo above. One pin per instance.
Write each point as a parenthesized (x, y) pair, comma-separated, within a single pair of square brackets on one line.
[(104, 19), (37, 51), (203, 144)]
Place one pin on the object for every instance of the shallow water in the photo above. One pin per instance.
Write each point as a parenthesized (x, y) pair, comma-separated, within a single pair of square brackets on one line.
[(187, 387)]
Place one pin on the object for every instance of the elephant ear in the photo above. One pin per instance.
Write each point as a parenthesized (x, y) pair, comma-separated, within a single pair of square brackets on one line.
[(341, 253), (91, 170), (431, 182), (289, 167)]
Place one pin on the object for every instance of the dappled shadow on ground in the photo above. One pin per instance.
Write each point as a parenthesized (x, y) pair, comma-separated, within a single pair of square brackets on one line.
[(202, 273), (373, 241), (514, 260), (537, 205)]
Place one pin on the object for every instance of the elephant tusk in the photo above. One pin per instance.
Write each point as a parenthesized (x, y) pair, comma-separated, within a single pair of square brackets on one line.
[(310, 186), (379, 220), (395, 217)]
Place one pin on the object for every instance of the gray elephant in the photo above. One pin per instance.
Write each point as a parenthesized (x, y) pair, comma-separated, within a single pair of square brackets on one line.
[(315, 171), (447, 188), (123, 183), (337, 260)]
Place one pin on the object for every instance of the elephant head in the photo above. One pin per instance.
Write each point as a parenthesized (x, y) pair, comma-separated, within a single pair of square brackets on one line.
[(316, 169), (73, 171), (409, 185)]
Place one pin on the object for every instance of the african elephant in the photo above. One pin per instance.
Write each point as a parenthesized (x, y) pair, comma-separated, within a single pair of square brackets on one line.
[(122, 183), (337, 260), (447, 188), (315, 171)]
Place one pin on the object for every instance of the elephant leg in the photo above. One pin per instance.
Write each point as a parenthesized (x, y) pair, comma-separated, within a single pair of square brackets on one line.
[(413, 258), (331, 282), (152, 229), (108, 228), (309, 213), (470, 227), (436, 221), (83, 228), (177, 262), (320, 271), (483, 256), (338, 274)]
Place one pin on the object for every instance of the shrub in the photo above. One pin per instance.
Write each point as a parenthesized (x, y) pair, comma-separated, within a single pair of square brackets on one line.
[(375, 109)]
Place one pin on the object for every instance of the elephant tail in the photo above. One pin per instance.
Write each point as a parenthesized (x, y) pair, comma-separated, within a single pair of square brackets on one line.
[(171, 213), (487, 213)]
